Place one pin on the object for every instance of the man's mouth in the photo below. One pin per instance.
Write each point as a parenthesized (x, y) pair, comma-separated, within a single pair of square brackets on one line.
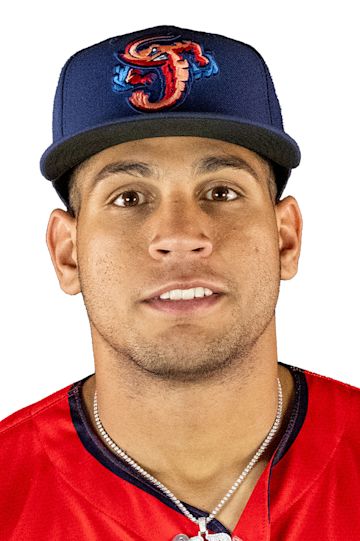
[(185, 306)]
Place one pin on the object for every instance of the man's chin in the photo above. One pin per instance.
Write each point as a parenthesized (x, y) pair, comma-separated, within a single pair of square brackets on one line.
[(206, 370)]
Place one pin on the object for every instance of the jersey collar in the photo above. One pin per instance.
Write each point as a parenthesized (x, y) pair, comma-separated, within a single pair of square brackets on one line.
[(115, 489)]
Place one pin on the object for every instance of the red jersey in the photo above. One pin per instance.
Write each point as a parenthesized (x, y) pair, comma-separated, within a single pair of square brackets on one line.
[(60, 482)]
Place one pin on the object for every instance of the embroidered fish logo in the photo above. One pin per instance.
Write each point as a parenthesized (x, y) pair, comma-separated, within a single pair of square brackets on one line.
[(161, 74)]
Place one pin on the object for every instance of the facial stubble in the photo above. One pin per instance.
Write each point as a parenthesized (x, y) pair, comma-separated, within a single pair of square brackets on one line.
[(185, 352)]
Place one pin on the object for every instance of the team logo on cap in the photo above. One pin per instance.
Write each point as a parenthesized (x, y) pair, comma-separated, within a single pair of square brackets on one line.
[(160, 71)]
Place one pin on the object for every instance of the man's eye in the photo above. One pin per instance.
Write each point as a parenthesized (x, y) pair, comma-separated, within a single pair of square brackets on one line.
[(131, 197), (224, 190)]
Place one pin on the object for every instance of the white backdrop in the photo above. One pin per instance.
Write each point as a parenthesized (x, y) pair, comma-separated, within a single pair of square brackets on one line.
[(312, 51)]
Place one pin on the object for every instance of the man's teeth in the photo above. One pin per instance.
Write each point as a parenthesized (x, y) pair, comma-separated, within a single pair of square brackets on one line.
[(186, 294)]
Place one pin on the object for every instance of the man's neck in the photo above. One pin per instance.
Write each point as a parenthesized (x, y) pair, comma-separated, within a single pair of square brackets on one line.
[(191, 437), (195, 438)]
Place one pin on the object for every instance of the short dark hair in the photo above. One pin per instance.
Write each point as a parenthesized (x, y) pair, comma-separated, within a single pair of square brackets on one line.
[(73, 199), (73, 202)]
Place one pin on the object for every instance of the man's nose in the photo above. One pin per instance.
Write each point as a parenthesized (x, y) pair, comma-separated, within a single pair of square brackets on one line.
[(181, 232)]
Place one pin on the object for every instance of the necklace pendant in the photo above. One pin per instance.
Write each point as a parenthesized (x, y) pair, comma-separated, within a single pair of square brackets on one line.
[(204, 534)]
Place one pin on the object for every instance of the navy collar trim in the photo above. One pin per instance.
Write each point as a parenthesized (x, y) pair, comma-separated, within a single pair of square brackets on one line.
[(119, 467)]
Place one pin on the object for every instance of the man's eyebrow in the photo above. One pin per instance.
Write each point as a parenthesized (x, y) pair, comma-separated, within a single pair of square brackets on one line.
[(212, 164), (124, 166), (209, 164)]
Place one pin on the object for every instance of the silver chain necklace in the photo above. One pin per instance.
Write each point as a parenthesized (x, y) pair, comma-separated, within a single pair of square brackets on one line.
[(201, 521)]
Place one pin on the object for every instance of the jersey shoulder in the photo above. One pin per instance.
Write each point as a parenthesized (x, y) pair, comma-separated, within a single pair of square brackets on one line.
[(22, 455), (21, 419), (331, 384), (340, 401)]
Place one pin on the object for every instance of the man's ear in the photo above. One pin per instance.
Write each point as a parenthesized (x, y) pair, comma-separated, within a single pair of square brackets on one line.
[(289, 224), (61, 242)]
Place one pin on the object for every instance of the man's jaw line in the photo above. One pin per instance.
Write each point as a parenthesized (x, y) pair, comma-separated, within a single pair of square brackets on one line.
[(233, 372)]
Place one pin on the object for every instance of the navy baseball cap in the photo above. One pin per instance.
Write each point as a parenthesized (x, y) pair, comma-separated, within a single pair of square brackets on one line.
[(165, 81)]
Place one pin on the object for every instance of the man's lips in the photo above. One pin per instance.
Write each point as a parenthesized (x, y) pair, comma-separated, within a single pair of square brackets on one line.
[(215, 288), (178, 307)]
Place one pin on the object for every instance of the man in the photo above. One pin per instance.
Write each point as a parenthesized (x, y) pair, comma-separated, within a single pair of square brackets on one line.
[(170, 155)]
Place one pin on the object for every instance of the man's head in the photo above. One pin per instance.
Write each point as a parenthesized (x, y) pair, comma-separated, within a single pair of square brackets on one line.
[(173, 209), (174, 145)]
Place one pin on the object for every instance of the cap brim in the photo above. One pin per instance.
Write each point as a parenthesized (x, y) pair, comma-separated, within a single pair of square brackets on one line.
[(68, 152)]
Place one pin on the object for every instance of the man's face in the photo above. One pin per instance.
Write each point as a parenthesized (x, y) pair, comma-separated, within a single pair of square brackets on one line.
[(175, 223)]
